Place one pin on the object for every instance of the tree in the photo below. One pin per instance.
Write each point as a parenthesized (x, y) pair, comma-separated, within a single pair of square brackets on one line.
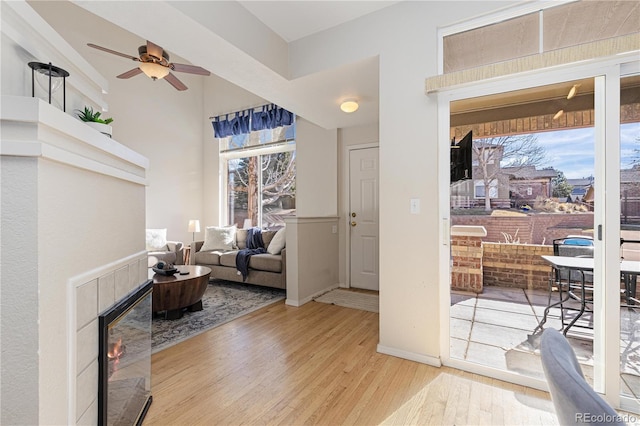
[(278, 172), (560, 186), (635, 157), (514, 151), (278, 177)]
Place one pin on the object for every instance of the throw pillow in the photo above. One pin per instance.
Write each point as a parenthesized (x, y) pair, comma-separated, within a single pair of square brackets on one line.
[(219, 238), (277, 242), (156, 239)]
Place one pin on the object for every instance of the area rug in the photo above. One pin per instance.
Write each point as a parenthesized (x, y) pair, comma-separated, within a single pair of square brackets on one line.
[(351, 299), (223, 301)]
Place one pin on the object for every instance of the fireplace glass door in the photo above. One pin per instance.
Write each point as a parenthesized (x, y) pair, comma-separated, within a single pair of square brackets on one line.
[(125, 360)]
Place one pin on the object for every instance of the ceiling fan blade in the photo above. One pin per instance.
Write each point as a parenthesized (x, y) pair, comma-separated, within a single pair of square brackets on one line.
[(130, 73), (104, 49), (191, 69), (173, 80), (154, 50)]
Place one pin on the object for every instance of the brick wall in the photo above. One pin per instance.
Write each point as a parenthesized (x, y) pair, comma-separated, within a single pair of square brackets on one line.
[(466, 271), (516, 265)]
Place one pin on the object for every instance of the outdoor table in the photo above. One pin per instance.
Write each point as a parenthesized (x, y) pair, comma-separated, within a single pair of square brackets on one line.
[(581, 268)]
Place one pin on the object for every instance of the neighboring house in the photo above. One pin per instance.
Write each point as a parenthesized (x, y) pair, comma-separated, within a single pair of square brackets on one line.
[(630, 194), (527, 183), (509, 186), (580, 188)]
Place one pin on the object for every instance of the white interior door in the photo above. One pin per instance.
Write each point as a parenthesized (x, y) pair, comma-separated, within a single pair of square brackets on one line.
[(363, 218)]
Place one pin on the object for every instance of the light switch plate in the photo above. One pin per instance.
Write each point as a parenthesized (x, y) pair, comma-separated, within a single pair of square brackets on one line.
[(415, 206)]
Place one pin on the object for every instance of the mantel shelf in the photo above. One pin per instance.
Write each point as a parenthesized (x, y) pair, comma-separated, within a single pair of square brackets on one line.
[(33, 128)]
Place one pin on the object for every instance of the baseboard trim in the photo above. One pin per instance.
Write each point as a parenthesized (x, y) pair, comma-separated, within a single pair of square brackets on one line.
[(292, 302), (411, 356), (298, 303)]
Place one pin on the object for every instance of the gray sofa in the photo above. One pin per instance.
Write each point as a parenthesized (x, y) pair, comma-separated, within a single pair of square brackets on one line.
[(264, 269)]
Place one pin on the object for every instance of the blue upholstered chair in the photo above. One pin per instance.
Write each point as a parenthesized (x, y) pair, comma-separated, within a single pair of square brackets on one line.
[(574, 399)]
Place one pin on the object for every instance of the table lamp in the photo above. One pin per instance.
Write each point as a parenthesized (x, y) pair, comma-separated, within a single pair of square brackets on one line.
[(194, 226)]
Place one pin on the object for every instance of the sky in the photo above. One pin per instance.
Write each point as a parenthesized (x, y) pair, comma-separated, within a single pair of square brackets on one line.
[(572, 151)]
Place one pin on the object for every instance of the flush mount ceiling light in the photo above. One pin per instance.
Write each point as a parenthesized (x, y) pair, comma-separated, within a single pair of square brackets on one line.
[(558, 114), (153, 70), (573, 91), (349, 106)]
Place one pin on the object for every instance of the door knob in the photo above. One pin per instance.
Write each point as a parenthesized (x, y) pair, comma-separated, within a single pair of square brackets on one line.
[(353, 224)]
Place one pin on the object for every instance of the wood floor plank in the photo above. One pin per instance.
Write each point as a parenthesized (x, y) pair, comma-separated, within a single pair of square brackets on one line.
[(318, 365)]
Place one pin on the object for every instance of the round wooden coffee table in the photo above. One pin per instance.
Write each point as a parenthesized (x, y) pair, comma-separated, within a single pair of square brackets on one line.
[(173, 293)]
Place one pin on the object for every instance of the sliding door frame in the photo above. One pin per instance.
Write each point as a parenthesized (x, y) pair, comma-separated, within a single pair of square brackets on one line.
[(606, 72)]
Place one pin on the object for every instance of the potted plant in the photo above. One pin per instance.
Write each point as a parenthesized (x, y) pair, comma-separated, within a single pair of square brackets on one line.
[(92, 118)]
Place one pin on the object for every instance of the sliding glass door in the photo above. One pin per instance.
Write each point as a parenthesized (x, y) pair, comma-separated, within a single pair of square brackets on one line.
[(630, 238), (537, 171)]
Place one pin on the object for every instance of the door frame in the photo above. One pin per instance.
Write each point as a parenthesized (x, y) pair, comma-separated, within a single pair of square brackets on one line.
[(606, 71), (346, 199)]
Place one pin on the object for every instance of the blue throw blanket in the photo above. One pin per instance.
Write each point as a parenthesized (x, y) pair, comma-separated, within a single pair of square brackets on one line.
[(255, 245)]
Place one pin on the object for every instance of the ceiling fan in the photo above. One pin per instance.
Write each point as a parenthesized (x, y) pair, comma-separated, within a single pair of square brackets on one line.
[(154, 62)]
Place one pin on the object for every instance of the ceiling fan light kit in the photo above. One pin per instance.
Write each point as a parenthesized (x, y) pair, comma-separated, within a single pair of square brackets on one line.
[(154, 63), (153, 70)]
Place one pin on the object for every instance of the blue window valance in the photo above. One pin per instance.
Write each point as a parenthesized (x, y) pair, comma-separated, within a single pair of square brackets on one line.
[(251, 120)]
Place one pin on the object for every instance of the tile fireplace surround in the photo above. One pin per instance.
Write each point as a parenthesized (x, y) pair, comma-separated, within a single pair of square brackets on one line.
[(69, 249)]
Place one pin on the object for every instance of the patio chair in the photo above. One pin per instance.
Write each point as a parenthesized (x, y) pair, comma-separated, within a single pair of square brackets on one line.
[(574, 400), (578, 284)]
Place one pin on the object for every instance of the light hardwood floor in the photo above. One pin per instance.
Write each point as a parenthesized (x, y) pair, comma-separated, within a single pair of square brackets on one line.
[(318, 364)]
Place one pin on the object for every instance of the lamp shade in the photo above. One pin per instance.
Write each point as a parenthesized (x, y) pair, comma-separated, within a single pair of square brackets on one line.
[(194, 225)]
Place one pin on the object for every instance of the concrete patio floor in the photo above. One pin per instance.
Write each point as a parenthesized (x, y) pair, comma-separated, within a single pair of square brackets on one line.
[(492, 329)]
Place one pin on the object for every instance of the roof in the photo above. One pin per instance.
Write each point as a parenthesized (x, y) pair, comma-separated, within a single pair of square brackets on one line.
[(631, 175), (530, 172), (585, 182)]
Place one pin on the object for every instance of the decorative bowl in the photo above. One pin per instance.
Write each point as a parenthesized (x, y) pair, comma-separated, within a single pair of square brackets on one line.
[(167, 272)]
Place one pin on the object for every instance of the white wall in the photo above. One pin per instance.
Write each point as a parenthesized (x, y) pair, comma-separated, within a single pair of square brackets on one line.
[(19, 326), (408, 156), (151, 117), (244, 30), (165, 126), (316, 170), (407, 52), (312, 258), (27, 37)]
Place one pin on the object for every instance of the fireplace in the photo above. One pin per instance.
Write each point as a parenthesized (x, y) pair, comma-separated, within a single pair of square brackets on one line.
[(124, 380)]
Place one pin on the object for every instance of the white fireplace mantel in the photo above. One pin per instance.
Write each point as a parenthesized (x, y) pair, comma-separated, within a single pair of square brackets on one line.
[(72, 215)]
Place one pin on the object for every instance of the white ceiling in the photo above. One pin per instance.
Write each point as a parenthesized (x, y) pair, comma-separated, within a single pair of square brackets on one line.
[(293, 20), (315, 97)]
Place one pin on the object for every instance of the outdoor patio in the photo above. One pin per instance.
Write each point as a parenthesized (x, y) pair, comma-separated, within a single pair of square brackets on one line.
[(492, 329)]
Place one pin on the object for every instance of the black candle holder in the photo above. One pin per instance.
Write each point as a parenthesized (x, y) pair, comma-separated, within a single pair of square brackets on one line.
[(52, 72)]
